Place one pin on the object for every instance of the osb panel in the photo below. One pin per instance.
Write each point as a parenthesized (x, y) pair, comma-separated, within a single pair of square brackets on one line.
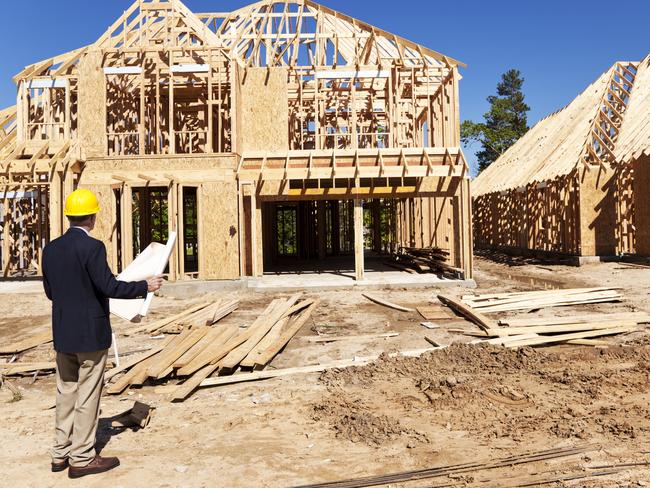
[(164, 162), (262, 115), (598, 216), (92, 104), (219, 241), (642, 205)]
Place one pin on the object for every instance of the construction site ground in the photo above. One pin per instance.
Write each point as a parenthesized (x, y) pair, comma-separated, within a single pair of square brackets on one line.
[(464, 403)]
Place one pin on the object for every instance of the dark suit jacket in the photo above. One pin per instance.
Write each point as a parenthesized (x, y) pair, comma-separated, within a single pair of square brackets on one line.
[(77, 279)]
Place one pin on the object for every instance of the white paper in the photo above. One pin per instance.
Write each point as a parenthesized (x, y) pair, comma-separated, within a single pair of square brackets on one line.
[(150, 262)]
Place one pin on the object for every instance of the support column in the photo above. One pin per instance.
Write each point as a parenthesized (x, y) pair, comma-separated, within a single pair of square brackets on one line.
[(55, 206), (358, 240), (322, 229)]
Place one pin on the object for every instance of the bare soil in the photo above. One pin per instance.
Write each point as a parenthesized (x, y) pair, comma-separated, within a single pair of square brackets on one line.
[(464, 403)]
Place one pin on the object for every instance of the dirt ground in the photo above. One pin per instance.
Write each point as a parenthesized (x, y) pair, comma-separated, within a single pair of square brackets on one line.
[(464, 403)]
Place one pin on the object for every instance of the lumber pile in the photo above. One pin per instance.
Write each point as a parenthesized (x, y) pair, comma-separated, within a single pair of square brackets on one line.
[(202, 350), (519, 332), (424, 260), (532, 300)]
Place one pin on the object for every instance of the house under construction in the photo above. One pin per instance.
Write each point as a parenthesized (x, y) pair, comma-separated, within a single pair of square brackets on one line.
[(280, 134), (576, 183)]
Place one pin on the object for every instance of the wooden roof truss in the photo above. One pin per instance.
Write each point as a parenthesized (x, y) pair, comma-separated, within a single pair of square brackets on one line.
[(601, 141)]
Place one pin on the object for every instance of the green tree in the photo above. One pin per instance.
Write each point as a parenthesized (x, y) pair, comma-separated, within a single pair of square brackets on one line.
[(504, 124)]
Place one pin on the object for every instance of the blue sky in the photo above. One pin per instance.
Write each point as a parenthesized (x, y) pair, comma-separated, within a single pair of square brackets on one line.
[(559, 46)]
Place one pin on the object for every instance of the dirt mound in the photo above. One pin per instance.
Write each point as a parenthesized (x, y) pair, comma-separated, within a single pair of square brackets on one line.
[(491, 392), (356, 422)]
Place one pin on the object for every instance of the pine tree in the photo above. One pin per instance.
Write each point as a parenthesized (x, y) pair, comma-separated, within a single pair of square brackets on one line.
[(504, 124)]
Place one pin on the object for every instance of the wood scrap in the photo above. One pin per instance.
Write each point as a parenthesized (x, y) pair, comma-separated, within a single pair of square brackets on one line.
[(137, 416), (557, 329), (11, 369), (638, 317), (27, 343), (435, 312), (536, 341), (386, 303), (477, 317), (133, 361), (325, 338)]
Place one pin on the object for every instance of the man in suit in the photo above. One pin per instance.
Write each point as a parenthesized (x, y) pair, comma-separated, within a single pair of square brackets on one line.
[(78, 281)]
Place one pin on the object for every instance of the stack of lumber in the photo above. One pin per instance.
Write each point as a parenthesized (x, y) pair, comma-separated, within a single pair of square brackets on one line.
[(200, 351), (204, 313), (423, 260), (532, 300), (539, 331)]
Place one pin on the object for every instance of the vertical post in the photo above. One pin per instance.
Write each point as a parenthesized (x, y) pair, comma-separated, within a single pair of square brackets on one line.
[(322, 229), (67, 124), (358, 240), (68, 187), (180, 238), (141, 133), (126, 207), (209, 143), (55, 205), (172, 133), (376, 225), (6, 221)]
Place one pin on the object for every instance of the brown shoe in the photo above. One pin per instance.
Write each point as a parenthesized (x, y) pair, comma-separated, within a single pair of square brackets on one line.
[(97, 465), (62, 466)]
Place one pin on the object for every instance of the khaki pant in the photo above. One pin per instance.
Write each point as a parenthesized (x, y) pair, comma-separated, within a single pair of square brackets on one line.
[(79, 382)]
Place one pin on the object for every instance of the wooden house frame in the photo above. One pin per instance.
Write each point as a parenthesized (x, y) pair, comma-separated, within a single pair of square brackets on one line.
[(208, 123), (567, 187)]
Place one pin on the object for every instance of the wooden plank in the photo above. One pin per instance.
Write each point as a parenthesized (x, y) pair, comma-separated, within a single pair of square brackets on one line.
[(555, 329), (261, 328), (17, 368), (638, 317), (28, 343), (171, 354), (215, 335), (321, 339), (191, 384), (477, 317), (386, 303), (435, 313), (567, 337), (292, 329), (133, 361)]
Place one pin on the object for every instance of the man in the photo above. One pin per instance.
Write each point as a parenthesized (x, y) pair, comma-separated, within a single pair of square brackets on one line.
[(77, 279)]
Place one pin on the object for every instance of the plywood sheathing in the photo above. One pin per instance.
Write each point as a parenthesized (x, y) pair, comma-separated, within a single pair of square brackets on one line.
[(597, 212), (92, 104), (262, 115), (642, 204)]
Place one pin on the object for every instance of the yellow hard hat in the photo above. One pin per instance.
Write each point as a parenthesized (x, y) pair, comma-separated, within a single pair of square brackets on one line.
[(80, 203)]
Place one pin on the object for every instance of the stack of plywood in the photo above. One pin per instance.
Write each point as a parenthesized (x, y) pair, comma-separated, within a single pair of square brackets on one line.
[(200, 350)]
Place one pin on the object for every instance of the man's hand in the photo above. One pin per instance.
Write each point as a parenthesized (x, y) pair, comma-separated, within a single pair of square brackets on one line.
[(154, 283)]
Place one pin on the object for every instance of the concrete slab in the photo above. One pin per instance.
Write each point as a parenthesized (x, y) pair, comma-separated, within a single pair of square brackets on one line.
[(376, 279)]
